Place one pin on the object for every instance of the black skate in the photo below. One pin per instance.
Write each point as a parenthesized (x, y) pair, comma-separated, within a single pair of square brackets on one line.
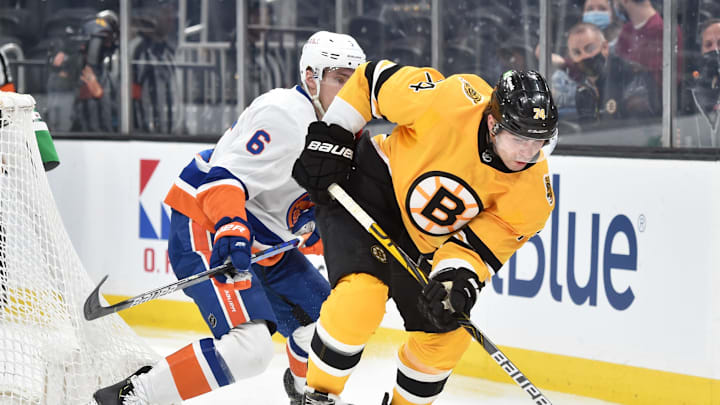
[(312, 397), (117, 394), (296, 398), (386, 399)]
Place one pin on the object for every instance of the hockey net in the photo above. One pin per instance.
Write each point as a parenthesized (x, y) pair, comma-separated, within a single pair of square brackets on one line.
[(49, 354)]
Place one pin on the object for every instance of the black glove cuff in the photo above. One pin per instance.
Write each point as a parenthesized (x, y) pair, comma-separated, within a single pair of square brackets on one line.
[(332, 133)]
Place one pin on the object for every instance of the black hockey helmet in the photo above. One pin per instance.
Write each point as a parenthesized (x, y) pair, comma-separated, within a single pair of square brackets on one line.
[(112, 20), (522, 104), (104, 24)]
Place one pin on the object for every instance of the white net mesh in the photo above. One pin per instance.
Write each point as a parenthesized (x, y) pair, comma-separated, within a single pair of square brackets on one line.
[(49, 353)]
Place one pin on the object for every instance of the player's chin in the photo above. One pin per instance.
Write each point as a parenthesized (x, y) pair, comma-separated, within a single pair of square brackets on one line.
[(517, 165)]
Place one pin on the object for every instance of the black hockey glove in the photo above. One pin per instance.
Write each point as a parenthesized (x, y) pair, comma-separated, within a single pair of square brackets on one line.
[(326, 159), (460, 283)]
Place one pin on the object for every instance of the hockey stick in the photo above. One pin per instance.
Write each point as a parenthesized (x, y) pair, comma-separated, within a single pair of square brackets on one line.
[(463, 319), (93, 309)]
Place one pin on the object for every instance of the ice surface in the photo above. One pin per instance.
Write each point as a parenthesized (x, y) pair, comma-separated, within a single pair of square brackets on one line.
[(374, 375)]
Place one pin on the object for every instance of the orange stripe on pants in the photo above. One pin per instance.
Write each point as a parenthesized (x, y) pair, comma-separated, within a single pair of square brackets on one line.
[(231, 302), (298, 368), (201, 240), (190, 380)]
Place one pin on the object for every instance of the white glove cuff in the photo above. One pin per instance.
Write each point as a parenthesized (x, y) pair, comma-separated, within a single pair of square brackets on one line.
[(449, 264)]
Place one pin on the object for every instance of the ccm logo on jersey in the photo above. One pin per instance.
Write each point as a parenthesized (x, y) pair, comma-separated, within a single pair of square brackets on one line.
[(331, 148)]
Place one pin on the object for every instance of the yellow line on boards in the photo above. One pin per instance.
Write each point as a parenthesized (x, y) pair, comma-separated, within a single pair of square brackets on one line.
[(591, 378)]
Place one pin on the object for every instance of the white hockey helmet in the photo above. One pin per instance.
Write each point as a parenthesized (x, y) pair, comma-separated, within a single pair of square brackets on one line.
[(325, 50)]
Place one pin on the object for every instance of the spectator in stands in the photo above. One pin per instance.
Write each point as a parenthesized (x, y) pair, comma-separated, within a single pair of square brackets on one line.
[(705, 85), (640, 40), (154, 80), (601, 13), (608, 86), (83, 65), (710, 36), (515, 53), (45, 143), (597, 12)]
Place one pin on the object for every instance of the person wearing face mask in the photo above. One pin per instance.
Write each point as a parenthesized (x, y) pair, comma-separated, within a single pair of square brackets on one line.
[(563, 79), (608, 86), (601, 14), (708, 75), (705, 86)]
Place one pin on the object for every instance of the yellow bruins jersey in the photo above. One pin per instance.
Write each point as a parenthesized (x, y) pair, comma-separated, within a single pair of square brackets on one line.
[(458, 202)]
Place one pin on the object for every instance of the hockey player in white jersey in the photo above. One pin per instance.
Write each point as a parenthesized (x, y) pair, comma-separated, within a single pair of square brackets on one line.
[(228, 202)]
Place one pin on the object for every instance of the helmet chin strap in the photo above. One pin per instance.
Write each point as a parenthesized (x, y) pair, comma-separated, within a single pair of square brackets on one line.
[(316, 102), (315, 97)]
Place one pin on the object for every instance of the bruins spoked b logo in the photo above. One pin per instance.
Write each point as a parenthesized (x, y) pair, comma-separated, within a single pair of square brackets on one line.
[(378, 253), (440, 203)]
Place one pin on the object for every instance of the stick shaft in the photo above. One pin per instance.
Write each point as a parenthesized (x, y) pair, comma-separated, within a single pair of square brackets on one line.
[(93, 309), (374, 229)]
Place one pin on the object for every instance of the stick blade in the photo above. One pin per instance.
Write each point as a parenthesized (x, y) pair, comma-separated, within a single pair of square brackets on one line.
[(93, 309)]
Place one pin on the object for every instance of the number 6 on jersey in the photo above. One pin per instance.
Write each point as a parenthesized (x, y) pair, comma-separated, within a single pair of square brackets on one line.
[(257, 142)]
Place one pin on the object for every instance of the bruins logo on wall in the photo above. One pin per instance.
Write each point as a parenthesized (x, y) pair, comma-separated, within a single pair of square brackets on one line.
[(611, 106), (439, 203)]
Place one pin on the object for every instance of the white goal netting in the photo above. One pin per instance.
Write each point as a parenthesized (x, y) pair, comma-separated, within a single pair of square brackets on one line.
[(49, 353)]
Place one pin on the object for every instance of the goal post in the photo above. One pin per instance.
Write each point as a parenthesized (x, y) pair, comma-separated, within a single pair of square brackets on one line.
[(49, 354)]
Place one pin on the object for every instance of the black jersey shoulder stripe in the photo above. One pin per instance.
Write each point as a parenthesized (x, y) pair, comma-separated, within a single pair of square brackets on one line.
[(384, 76), (481, 248), (369, 72), (373, 87)]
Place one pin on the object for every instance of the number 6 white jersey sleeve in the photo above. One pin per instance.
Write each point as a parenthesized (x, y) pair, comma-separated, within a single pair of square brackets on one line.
[(260, 150)]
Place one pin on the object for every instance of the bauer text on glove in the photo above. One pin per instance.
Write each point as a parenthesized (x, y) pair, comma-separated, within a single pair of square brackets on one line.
[(326, 159)]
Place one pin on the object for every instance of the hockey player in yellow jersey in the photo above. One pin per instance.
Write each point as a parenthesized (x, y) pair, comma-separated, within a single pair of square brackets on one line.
[(460, 184)]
